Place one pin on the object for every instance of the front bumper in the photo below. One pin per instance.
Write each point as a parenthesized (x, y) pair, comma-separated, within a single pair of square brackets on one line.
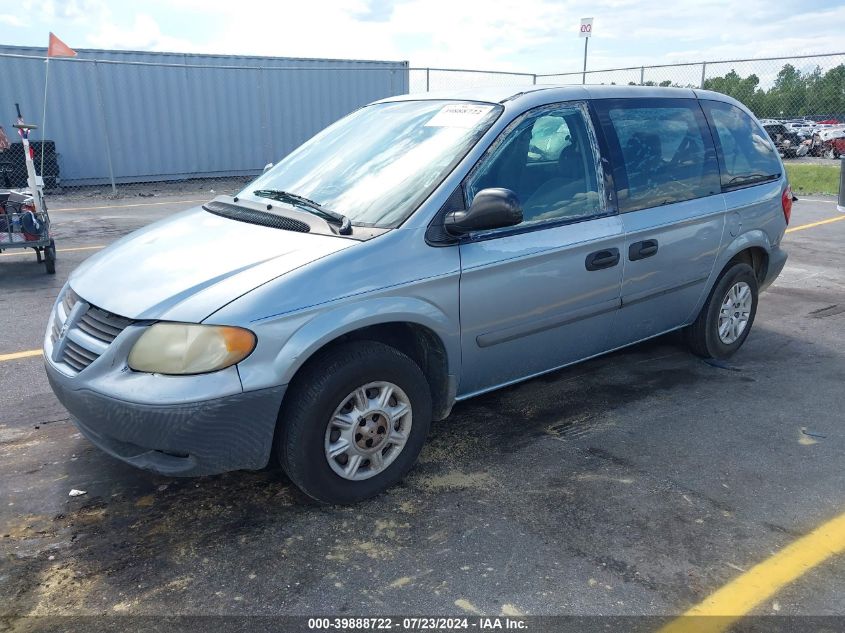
[(180, 439)]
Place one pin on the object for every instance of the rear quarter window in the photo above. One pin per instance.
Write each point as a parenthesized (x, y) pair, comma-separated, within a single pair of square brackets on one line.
[(746, 153), (663, 152)]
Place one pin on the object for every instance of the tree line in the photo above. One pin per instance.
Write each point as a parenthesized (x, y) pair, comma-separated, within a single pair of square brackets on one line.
[(793, 94)]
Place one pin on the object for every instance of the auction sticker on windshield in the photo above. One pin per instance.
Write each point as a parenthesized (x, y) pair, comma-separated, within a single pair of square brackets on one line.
[(463, 115)]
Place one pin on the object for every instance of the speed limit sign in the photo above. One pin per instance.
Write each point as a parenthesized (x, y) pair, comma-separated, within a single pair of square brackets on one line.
[(586, 27)]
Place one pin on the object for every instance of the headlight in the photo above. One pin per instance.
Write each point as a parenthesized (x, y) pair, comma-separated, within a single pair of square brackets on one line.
[(183, 348)]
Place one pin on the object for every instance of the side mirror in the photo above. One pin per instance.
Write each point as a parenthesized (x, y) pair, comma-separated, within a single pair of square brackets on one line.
[(267, 168), (490, 209)]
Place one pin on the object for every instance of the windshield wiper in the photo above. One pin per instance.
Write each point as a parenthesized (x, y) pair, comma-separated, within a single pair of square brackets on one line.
[(333, 217), (749, 178)]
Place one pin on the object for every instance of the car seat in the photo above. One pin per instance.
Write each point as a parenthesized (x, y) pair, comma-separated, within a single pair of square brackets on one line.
[(643, 155), (558, 191)]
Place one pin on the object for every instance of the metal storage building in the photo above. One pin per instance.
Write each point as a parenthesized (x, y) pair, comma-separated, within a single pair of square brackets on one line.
[(137, 116)]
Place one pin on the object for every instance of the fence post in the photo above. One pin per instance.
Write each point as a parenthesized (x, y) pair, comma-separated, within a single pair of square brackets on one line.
[(703, 71), (534, 80), (642, 75), (427, 79), (264, 98), (104, 123)]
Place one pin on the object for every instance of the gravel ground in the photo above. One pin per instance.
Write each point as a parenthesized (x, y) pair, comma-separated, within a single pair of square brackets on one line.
[(179, 188)]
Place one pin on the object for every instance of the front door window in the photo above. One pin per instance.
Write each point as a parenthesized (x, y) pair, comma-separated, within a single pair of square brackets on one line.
[(547, 159)]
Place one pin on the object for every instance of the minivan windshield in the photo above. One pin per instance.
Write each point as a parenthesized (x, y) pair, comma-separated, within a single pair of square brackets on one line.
[(376, 165)]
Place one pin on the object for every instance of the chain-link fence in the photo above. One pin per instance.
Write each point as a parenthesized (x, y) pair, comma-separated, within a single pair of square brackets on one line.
[(800, 99), (805, 86), (442, 79), (148, 124), (795, 87)]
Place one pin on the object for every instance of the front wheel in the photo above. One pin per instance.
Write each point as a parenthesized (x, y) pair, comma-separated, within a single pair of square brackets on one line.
[(354, 421), (726, 318)]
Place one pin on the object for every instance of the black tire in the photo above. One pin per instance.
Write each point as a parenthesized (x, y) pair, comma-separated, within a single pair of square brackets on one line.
[(50, 258), (322, 386), (703, 335)]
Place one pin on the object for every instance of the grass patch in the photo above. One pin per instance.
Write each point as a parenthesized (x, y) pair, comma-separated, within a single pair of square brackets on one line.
[(812, 178)]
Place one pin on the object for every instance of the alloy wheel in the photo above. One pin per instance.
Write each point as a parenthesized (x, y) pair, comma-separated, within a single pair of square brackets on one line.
[(735, 312), (368, 430)]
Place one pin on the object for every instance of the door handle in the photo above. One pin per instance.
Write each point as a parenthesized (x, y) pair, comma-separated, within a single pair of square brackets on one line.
[(607, 258), (641, 250)]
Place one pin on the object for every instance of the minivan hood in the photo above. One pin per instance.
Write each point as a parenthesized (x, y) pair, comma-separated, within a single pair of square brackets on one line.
[(186, 267)]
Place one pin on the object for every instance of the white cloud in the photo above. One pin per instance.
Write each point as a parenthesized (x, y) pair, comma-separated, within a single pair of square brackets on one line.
[(538, 36), (71, 10), (144, 34), (523, 35), (11, 20)]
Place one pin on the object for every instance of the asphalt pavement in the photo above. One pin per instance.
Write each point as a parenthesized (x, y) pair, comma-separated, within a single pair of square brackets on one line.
[(637, 483)]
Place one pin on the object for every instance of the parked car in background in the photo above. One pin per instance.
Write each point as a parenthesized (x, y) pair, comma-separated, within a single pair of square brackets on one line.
[(834, 148), (420, 251), (830, 142), (800, 125), (786, 141)]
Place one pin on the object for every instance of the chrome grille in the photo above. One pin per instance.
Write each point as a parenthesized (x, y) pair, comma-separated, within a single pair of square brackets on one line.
[(89, 333), (77, 356), (63, 309), (102, 325)]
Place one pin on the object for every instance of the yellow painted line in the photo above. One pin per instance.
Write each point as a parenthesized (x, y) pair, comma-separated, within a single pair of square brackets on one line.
[(24, 251), (740, 596), (16, 355), (130, 206), (801, 227)]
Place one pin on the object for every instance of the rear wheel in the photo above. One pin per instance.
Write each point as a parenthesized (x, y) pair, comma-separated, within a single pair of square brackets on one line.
[(726, 318), (354, 421)]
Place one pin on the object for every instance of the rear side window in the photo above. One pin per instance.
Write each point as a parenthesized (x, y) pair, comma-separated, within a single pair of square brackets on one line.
[(746, 154), (663, 152)]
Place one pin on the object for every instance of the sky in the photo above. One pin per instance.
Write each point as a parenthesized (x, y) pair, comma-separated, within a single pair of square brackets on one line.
[(535, 36)]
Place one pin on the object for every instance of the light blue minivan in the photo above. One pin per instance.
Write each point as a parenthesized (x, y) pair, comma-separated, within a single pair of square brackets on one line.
[(422, 250)]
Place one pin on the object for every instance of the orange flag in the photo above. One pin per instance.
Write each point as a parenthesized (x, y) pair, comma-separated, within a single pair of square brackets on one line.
[(58, 48)]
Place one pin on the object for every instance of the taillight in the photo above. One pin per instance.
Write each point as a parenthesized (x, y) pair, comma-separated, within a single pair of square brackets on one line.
[(786, 203)]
